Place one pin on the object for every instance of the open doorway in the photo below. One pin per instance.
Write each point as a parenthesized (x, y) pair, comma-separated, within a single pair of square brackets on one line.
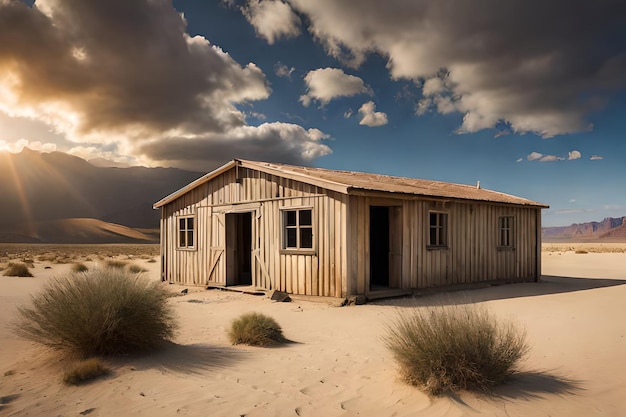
[(239, 249), (385, 247)]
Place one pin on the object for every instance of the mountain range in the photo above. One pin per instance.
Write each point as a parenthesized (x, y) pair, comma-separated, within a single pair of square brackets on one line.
[(59, 198), (607, 229)]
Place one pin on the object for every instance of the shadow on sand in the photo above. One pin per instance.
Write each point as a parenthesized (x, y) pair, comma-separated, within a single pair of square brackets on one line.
[(547, 285), (532, 385), (192, 359), (528, 386)]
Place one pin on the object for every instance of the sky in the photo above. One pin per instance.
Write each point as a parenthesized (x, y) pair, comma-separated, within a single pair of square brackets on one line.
[(527, 97)]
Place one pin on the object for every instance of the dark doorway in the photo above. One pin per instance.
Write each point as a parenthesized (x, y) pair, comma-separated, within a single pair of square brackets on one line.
[(379, 247), (239, 249), (385, 247)]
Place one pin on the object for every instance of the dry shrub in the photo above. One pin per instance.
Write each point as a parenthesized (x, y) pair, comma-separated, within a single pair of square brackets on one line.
[(47, 257), (17, 270), (581, 251), (79, 267), (256, 329), (99, 312), (450, 348), (151, 261), (85, 371)]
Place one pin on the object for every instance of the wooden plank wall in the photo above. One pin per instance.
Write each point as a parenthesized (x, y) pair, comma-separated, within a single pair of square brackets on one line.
[(264, 195), (472, 254)]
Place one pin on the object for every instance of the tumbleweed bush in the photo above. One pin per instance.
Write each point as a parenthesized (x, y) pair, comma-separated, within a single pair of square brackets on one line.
[(98, 312), (450, 348), (256, 329)]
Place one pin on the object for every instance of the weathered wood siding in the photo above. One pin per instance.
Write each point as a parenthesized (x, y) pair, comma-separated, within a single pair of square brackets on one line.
[(247, 190), (472, 254)]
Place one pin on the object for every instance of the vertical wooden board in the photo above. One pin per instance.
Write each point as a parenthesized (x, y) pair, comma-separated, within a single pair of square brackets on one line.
[(413, 255), (363, 243), (405, 273), (352, 244), (300, 275), (293, 273), (276, 240), (332, 244), (267, 187), (323, 245), (314, 284), (288, 274), (338, 258), (283, 274), (327, 248), (346, 287), (266, 245), (275, 233)]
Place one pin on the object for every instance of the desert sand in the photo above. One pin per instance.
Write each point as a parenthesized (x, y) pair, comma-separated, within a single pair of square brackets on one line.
[(338, 365)]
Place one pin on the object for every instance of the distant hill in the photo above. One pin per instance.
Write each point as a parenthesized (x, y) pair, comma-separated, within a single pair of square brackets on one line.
[(608, 229), (41, 188), (78, 231)]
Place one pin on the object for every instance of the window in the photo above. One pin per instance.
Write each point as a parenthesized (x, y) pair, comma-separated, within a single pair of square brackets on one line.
[(298, 229), (438, 229), (186, 232), (505, 227)]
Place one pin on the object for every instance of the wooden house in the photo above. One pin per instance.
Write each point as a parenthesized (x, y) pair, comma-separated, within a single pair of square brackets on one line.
[(321, 232)]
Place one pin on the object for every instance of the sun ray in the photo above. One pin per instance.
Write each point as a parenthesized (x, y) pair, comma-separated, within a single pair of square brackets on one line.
[(21, 194)]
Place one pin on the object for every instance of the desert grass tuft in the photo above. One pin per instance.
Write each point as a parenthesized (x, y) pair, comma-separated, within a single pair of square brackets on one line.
[(100, 312), (581, 251), (256, 329), (450, 348), (113, 263), (85, 371), (17, 270), (135, 269), (79, 267)]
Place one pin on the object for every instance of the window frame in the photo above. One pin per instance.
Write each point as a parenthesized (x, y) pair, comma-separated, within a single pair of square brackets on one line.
[(186, 230), (284, 249), (506, 232), (441, 225)]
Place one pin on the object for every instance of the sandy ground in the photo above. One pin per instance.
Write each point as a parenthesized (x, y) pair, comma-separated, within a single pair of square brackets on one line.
[(574, 319)]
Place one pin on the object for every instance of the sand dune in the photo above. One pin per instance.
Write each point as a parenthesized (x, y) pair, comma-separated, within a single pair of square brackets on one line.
[(339, 365)]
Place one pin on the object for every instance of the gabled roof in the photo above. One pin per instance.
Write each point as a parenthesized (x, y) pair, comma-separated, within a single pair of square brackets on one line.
[(349, 182)]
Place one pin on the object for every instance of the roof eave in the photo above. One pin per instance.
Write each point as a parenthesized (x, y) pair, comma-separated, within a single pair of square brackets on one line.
[(356, 190)]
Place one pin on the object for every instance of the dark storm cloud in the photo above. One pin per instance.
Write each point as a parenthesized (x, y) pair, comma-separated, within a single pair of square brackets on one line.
[(276, 142), (122, 63)]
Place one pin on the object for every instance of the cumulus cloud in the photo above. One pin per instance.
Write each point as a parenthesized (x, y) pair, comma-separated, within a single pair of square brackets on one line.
[(539, 67), (536, 156), (326, 84), (123, 74), (596, 158), (272, 19), (574, 155), (371, 117)]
